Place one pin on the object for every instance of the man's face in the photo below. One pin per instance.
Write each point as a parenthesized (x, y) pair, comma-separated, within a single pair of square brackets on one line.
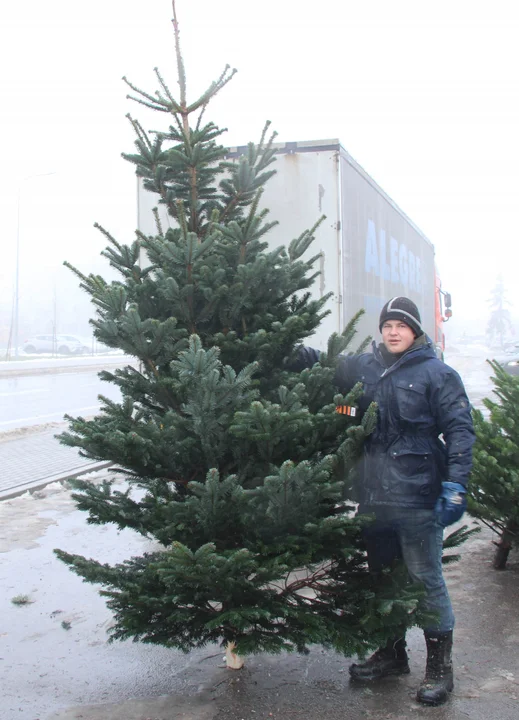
[(397, 336)]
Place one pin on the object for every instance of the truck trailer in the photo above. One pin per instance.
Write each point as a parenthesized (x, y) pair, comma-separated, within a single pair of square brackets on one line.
[(369, 250)]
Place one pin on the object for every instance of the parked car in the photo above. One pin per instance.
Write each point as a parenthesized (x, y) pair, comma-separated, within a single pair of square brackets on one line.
[(61, 344), (511, 364)]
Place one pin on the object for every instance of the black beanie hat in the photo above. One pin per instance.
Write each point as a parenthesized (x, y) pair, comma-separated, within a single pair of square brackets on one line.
[(403, 309)]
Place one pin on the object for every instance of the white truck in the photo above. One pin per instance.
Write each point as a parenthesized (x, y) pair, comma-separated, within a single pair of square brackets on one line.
[(369, 249)]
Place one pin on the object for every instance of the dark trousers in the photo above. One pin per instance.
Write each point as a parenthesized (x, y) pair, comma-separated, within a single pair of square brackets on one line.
[(416, 537)]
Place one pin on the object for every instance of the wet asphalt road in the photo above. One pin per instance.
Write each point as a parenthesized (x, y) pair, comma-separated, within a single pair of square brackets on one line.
[(39, 399), (289, 687)]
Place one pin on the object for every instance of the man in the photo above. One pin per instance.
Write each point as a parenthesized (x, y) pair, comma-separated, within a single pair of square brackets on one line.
[(412, 481)]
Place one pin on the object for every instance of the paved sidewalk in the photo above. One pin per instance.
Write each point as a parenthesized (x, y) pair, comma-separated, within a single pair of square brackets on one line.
[(36, 459)]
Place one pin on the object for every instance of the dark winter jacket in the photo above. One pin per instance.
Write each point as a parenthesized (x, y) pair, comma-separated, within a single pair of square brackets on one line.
[(419, 399)]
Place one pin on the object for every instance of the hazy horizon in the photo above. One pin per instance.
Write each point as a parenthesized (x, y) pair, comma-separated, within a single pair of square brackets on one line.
[(424, 98)]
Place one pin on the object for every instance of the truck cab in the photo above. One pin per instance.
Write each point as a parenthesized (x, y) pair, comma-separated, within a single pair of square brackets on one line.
[(442, 313)]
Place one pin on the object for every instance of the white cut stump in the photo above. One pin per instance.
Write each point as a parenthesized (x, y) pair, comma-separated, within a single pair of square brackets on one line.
[(233, 660)]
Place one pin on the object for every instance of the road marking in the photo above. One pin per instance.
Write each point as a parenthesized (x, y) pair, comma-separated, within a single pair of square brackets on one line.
[(25, 392), (50, 415)]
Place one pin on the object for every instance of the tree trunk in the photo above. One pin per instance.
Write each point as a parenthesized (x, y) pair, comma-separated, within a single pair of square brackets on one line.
[(505, 545)]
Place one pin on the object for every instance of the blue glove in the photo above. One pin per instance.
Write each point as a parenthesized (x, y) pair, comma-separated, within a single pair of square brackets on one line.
[(451, 504)]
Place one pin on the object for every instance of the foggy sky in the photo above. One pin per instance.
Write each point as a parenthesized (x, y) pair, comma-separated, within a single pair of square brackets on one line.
[(425, 96)]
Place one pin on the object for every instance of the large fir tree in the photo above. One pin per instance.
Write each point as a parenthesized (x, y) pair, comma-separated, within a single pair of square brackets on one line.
[(494, 483), (238, 468)]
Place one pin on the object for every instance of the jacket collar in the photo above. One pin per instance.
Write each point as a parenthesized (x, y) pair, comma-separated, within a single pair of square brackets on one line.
[(421, 348)]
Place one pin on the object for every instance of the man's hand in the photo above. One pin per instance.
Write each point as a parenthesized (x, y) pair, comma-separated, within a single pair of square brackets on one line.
[(452, 503)]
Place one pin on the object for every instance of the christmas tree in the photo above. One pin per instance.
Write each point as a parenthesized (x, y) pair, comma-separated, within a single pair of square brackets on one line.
[(494, 484), (239, 468)]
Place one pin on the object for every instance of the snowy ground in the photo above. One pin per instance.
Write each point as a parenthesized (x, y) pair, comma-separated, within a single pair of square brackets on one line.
[(53, 650)]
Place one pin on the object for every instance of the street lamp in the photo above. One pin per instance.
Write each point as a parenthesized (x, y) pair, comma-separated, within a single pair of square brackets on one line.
[(17, 276)]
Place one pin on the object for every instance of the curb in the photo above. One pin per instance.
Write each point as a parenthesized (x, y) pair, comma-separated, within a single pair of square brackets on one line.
[(33, 485)]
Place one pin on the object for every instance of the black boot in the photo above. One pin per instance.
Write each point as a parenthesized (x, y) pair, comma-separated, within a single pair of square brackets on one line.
[(389, 660), (438, 681)]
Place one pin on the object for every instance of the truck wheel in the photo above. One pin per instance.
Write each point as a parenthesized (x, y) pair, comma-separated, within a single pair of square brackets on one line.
[(64, 350), (30, 349)]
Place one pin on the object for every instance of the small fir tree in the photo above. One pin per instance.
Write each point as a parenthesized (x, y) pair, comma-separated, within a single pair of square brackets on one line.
[(237, 467), (494, 484)]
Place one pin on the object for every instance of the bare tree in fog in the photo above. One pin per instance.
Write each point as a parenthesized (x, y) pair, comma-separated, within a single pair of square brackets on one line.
[(500, 322)]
